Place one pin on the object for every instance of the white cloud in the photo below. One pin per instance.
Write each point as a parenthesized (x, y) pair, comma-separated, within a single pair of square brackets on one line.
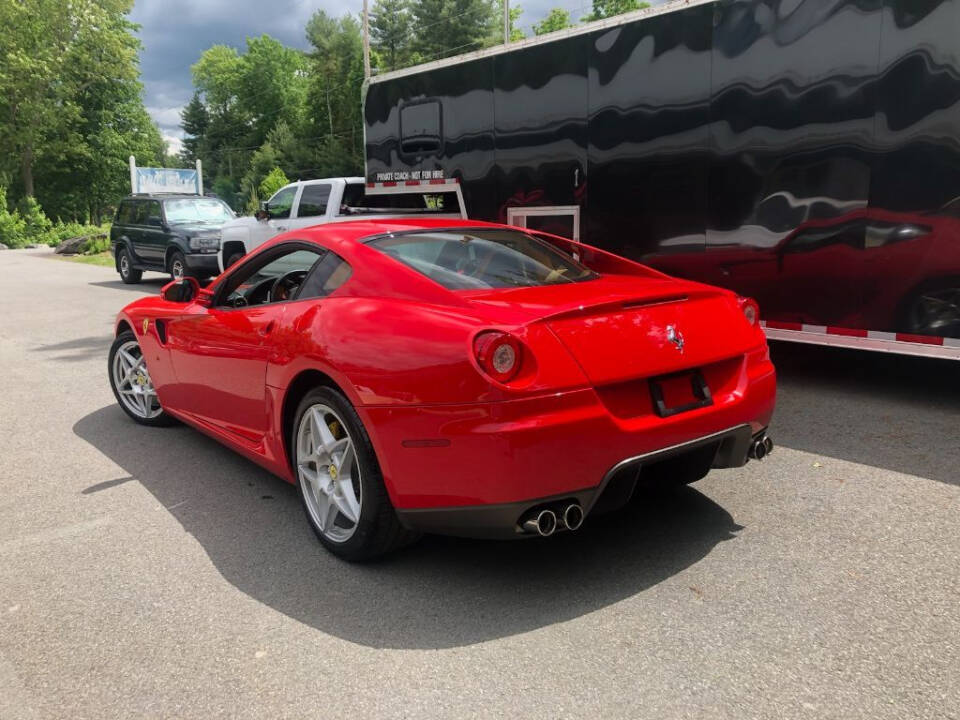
[(174, 144)]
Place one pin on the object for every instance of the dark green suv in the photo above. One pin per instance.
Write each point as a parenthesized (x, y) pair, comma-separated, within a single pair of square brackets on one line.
[(178, 234)]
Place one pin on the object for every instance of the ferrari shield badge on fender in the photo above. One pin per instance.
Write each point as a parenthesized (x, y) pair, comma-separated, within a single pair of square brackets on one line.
[(146, 325), (675, 336)]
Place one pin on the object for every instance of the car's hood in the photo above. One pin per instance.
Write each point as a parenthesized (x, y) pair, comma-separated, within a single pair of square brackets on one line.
[(196, 229)]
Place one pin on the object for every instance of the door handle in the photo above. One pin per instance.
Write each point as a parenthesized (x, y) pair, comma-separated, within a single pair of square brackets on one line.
[(266, 329), (281, 227)]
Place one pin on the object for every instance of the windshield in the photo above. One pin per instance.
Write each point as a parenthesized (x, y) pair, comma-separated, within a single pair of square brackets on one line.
[(480, 259), (199, 210)]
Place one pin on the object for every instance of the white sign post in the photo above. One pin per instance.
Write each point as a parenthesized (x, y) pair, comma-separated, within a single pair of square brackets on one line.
[(165, 180)]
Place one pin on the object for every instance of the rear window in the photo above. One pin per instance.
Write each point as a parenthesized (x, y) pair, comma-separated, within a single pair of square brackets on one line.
[(481, 259)]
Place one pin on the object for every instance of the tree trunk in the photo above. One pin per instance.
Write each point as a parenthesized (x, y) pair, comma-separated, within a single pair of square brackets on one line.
[(26, 170)]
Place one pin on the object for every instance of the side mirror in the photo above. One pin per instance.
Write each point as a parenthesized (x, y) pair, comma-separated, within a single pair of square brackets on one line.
[(181, 291), (264, 212)]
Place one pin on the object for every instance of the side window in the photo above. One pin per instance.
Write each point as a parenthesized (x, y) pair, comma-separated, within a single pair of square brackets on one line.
[(125, 213), (329, 274), (313, 200), (154, 215), (273, 278), (817, 238), (282, 202), (139, 213)]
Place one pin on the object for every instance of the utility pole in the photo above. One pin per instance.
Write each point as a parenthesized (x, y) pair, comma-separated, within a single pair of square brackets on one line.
[(506, 21), (366, 41)]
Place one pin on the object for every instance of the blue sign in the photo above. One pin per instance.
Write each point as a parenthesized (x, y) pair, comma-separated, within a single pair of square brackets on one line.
[(167, 180)]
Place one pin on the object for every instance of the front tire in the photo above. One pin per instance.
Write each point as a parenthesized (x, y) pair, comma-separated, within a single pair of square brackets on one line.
[(128, 273), (341, 485), (233, 259), (131, 383), (178, 265)]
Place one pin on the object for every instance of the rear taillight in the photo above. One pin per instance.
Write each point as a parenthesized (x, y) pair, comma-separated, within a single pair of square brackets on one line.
[(498, 355), (750, 309)]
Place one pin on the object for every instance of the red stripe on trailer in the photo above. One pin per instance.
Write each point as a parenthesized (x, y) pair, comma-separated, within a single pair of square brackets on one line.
[(389, 184), (779, 325), (439, 181), (412, 183), (924, 339), (371, 185), (847, 332)]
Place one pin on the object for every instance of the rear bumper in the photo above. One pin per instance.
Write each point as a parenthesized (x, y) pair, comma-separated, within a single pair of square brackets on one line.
[(458, 458), (615, 489)]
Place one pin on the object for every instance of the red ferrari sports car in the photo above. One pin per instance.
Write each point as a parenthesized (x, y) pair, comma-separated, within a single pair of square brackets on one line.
[(451, 376)]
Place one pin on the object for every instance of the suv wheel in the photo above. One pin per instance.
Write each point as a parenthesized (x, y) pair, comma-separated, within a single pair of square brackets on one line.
[(178, 265), (128, 273)]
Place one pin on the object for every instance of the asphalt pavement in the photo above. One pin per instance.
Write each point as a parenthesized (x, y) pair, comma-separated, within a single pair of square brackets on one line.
[(151, 573)]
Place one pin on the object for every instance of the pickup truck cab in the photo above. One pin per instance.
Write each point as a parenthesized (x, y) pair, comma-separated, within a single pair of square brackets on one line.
[(316, 202)]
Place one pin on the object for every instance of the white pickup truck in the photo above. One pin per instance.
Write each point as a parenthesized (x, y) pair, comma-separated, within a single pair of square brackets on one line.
[(315, 202)]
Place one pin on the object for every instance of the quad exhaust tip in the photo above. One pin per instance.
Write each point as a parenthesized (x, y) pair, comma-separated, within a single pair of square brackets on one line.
[(761, 447), (546, 521), (543, 523), (573, 516)]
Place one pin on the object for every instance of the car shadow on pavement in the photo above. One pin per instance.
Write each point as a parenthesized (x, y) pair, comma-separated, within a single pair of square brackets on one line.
[(78, 349), (888, 411), (438, 593)]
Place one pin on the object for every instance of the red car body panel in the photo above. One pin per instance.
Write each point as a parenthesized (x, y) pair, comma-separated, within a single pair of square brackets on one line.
[(400, 348)]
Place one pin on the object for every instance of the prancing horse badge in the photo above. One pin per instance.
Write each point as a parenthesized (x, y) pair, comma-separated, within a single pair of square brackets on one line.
[(146, 325), (675, 336)]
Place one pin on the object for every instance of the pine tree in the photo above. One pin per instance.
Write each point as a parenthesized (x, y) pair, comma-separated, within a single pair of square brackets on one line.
[(390, 35), (449, 27)]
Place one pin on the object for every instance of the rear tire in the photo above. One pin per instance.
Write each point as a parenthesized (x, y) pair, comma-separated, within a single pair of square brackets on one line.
[(128, 274), (377, 529)]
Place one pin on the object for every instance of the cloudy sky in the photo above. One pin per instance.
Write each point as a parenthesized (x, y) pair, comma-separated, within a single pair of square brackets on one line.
[(175, 32)]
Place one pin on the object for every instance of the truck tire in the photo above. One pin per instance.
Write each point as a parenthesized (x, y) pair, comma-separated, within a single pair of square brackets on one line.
[(128, 274)]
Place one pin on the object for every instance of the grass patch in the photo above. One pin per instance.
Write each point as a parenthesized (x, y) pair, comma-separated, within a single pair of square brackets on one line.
[(103, 259)]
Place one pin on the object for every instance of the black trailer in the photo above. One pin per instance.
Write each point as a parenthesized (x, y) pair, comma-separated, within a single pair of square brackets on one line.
[(803, 152)]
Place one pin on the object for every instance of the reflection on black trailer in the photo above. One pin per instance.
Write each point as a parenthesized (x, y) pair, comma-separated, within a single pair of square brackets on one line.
[(802, 152)]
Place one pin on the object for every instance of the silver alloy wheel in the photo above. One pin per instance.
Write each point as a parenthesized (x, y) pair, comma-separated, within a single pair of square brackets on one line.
[(176, 270), (124, 264), (329, 473), (133, 383)]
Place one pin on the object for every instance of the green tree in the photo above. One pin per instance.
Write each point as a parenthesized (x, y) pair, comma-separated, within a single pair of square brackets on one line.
[(274, 180), (449, 27), (12, 227), (556, 19), (496, 25), (195, 121), (336, 77), (609, 8), (70, 102), (390, 32)]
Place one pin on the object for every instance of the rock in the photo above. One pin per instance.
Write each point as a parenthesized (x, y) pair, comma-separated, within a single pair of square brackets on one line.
[(32, 246), (3, 247), (71, 246)]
